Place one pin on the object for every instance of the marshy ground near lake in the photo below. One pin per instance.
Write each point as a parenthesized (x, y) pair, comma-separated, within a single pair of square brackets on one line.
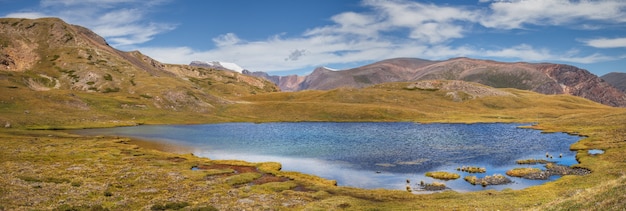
[(56, 76), (369, 154), (49, 169)]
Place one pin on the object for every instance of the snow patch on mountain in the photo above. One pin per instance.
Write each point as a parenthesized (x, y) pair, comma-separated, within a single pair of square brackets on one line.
[(218, 65), (331, 69), (231, 66)]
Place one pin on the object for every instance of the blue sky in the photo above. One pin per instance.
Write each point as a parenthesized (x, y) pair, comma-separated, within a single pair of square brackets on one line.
[(293, 37)]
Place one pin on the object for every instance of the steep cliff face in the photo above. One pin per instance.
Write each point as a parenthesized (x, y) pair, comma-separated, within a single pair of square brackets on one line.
[(542, 78), (582, 83), (290, 83)]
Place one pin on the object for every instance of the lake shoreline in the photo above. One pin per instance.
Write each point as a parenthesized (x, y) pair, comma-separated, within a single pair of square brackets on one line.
[(538, 197), (163, 145)]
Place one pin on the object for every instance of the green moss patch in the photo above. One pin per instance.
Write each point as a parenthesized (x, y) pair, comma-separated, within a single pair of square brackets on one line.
[(241, 179), (442, 175), (522, 172)]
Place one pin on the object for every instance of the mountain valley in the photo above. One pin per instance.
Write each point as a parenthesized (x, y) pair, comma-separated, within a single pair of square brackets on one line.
[(56, 76)]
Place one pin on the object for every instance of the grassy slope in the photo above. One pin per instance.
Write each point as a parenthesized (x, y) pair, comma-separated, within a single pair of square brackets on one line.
[(391, 102), (91, 84), (85, 166)]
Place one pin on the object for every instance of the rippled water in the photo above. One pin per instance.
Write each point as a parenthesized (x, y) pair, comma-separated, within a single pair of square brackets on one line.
[(367, 155)]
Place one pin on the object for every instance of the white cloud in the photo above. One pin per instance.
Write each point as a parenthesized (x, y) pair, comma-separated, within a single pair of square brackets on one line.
[(126, 27), (350, 23), (526, 52), (328, 51), (389, 28), (512, 14), (607, 43), (523, 51), (358, 37), (100, 3), (122, 22), (228, 39), (29, 15), (427, 23)]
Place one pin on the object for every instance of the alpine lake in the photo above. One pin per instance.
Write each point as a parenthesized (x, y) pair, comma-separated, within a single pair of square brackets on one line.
[(371, 155)]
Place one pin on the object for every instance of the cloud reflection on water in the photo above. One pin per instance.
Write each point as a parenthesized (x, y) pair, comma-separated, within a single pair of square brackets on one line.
[(368, 155), (345, 175)]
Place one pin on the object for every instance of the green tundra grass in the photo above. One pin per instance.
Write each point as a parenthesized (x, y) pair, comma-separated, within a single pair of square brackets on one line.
[(50, 169)]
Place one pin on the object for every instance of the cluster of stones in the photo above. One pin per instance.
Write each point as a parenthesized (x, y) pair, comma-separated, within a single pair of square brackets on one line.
[(496, 179), (551, 169), (472, 169)]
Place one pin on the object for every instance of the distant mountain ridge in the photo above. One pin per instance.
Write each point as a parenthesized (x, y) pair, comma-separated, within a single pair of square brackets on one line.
[(545, 78), (618, 80)]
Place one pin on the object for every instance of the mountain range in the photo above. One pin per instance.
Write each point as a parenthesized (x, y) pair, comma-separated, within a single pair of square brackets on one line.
[(55, 75), (545, 78), (70, 68), (618, 80), (43, 55)]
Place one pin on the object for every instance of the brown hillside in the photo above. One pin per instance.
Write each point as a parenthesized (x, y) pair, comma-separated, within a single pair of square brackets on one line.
[(51, 59), (543, 78), (618, 80), (79, 59)]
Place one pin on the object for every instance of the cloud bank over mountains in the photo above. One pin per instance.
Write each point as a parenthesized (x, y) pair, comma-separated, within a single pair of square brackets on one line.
[(382, 29)]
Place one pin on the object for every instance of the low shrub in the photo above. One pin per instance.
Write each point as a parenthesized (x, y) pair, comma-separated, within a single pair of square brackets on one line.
[(47, 179), (276, 186), (435, 186), (108, 77), (170, 206), (209, 208), (212, 172), (67, 207), (108, 90), (108, 194), (270, 167)]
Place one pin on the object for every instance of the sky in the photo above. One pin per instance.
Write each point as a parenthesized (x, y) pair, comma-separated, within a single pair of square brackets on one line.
[(295, 36)]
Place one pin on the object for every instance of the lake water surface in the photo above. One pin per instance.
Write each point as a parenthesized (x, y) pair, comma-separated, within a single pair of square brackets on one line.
[(368, 155)]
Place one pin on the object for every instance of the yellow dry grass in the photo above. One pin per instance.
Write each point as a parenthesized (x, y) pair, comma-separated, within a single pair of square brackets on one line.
[(110, 172), (442, 175)]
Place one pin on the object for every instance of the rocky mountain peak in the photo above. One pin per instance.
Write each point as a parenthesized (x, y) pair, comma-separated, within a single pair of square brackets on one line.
[(320, 70), (543, 78)]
